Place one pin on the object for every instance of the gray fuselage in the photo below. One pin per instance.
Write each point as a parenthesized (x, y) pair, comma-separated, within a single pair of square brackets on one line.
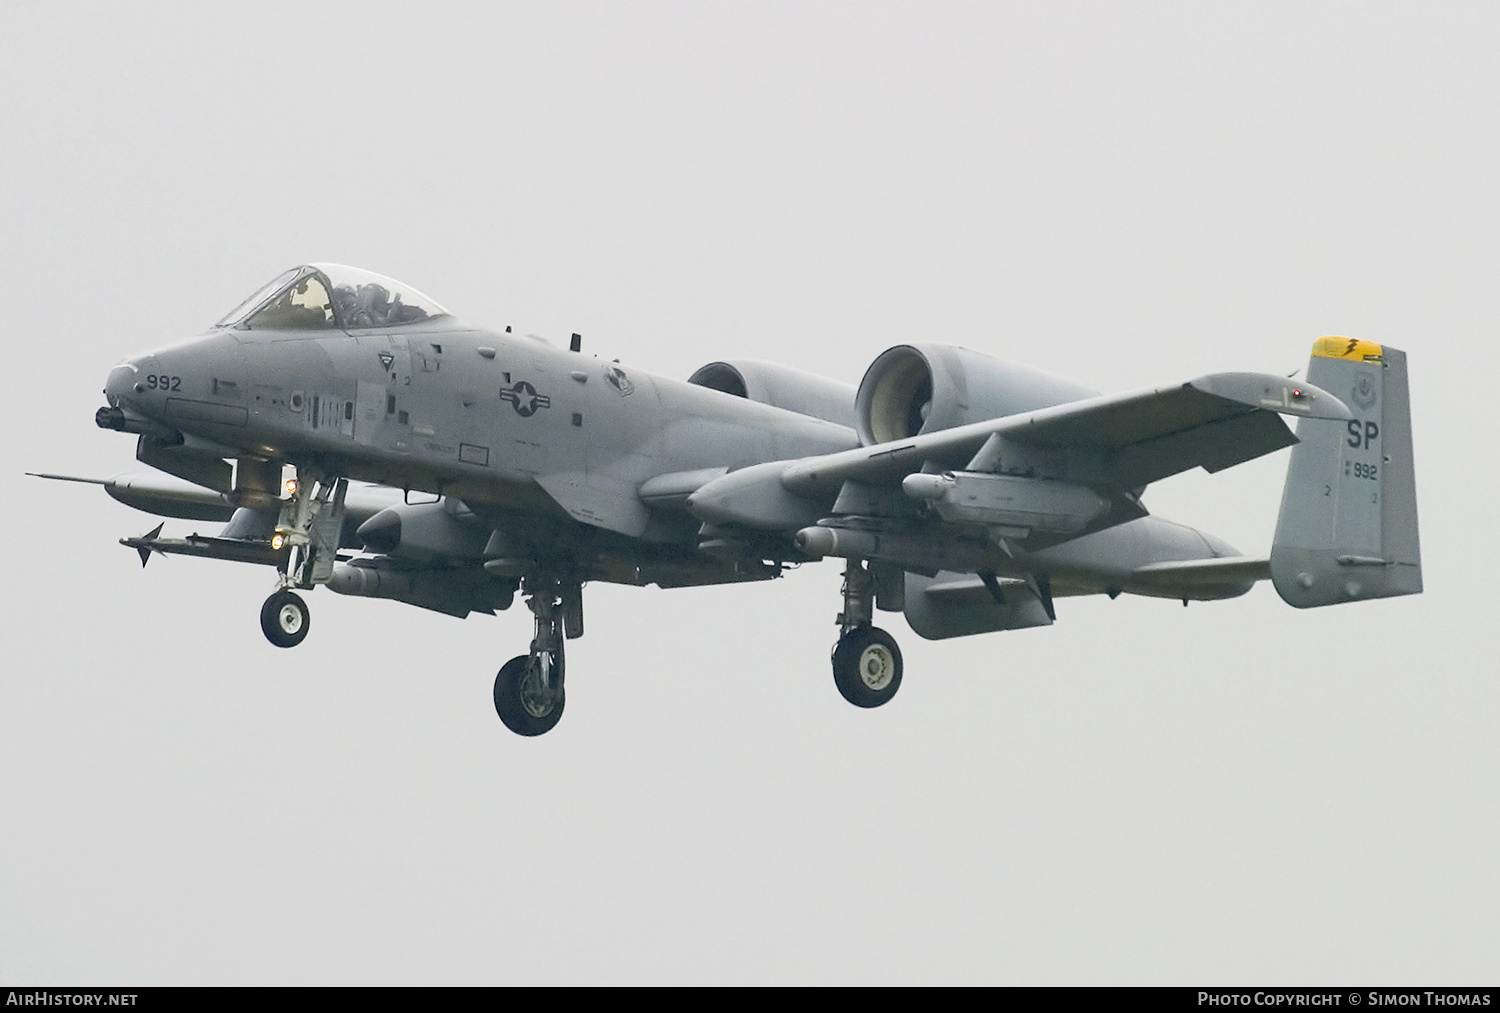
[(517, 425)]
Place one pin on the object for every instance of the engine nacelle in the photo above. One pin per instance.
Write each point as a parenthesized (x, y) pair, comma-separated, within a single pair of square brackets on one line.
[(912, 389), (781, 387)]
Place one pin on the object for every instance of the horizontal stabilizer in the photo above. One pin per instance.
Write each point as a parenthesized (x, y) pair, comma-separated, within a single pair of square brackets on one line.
[(1232, 575)]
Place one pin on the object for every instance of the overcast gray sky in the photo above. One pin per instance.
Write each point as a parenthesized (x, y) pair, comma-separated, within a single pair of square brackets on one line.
[(1126, 193)]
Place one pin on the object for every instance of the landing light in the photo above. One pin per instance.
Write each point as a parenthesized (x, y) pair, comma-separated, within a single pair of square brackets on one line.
[(291, 487), (277, 541)]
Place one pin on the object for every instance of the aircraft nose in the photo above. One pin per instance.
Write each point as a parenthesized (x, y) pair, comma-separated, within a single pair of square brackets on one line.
[(125, 409), (169, 386), (120, 383)]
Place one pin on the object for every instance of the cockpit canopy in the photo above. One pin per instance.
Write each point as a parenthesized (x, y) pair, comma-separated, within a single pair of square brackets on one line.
[(328, 297)]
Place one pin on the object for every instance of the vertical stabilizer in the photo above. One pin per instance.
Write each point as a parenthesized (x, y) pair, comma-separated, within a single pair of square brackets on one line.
[(1348, 524)]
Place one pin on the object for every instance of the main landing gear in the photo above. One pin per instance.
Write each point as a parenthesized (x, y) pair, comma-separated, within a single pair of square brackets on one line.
[(866, 660), (529, 694)]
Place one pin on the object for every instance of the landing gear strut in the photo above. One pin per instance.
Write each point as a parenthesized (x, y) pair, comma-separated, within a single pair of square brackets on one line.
[(309, 525), (866, 660), (529, 694)]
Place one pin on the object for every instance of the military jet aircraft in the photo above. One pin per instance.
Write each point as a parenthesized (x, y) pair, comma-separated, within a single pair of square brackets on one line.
[(356, 435)]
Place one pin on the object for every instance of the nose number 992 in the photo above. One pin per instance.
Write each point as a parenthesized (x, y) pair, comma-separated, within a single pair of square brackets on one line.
[(161, 381)]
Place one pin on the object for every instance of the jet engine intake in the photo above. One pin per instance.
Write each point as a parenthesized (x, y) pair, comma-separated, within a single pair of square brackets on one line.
[(924, 388)]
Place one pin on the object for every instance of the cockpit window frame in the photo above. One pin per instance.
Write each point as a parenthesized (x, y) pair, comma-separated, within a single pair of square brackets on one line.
[(242, 317), (388, 291), (294, 311), (236, 317)]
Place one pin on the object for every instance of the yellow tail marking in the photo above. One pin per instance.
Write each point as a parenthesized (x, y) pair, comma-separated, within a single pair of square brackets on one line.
[(1346, 348)]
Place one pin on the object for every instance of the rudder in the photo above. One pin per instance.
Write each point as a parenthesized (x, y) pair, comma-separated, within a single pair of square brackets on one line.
[(1348, 524)]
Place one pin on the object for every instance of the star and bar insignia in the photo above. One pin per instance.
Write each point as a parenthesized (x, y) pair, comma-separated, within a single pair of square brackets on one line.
[(523, 397)]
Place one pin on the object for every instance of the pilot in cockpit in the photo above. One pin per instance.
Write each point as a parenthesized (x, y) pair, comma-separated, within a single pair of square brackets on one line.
[(324, 296), (345, 299), (371, 305)]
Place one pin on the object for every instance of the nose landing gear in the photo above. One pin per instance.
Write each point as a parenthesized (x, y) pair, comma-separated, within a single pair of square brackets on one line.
[(309, 525), (866, 660)]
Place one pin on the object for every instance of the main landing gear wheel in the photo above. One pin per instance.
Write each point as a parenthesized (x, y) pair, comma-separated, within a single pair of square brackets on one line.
[(284, 619), (867, 666), (524, 703)]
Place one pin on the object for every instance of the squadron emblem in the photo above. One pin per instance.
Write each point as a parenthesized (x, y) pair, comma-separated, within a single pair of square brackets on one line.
[(1363, 393), (618, 380)]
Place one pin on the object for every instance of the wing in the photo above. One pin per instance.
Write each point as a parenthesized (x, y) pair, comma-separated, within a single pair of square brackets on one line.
[(1114, 443)]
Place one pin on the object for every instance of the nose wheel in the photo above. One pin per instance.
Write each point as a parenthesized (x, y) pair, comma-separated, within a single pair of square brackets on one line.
[(284, 619)]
